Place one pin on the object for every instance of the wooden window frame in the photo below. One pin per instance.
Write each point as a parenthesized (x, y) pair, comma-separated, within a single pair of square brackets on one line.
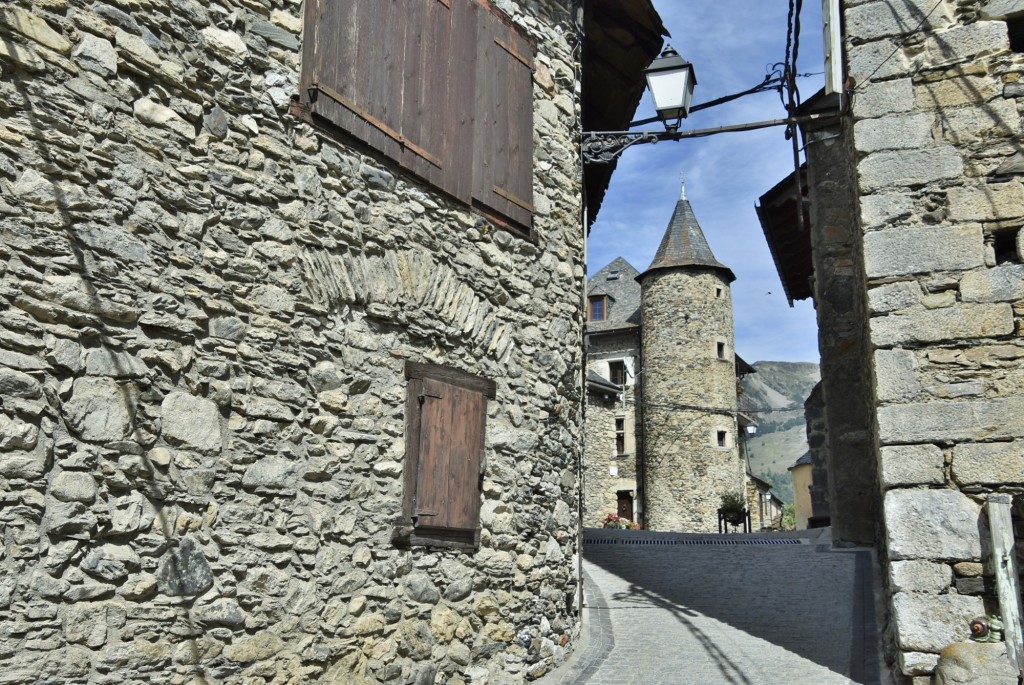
[(442, 88), (409, 530), (621, 496), (619, 364), (603, 299)]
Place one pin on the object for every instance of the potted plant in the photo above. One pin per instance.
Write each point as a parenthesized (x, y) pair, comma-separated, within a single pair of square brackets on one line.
[(733, 508), (620, 522)]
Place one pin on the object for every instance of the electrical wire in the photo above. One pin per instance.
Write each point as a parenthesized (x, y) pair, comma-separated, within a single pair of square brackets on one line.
[(796, 49), (792, 95), (723, 411)]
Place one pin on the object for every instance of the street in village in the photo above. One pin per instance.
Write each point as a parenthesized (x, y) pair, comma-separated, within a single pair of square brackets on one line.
[(681, 609)]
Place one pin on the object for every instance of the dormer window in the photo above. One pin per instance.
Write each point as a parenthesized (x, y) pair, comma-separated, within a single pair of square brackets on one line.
[(613, 275), (598, 305)]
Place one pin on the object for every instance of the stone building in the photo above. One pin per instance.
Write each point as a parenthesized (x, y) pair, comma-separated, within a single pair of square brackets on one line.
[(801, 473), (609, 473), (666, 337), (764, 507), (691, 437), (612, 439), (290, 354), (915, 207)]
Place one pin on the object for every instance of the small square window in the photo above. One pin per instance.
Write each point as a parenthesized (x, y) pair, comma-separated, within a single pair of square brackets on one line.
[(1004, 244), (718, 292)]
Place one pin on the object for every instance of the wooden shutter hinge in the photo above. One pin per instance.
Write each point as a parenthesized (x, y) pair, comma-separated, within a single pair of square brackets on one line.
[(375, 122), (507, 47), (519, 202)]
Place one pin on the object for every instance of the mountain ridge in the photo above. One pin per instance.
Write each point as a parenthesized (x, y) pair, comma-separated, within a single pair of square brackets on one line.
[(775, 397)]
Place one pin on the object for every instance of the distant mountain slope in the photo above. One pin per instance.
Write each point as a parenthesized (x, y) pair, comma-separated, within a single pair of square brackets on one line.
[(776, 394)]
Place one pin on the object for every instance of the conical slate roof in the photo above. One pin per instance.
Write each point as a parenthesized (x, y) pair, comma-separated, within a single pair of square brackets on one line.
[(684, 244)]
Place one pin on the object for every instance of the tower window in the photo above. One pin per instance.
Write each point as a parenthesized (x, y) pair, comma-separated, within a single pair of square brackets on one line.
[(723, 438), (598, 307), (718, 292), (1015, 29), (617, 371), (720, 348), (1004, 243)]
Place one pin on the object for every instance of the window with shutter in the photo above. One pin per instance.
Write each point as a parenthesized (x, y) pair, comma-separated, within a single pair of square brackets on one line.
[(442, 87), (446, 410), (503, 140)]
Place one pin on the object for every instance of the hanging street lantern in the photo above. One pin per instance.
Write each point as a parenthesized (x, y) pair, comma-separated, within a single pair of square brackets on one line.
[(671, 79)]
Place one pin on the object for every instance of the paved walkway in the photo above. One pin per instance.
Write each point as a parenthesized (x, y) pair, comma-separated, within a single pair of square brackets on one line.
[(672, 609)]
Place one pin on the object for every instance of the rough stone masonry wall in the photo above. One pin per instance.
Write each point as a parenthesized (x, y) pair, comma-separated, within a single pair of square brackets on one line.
[(841, 309), (600, 487), (685, 471), (599, 447), (937, 111), (817, 444), (207, 307)]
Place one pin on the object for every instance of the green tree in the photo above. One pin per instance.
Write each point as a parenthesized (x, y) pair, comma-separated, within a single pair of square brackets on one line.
[(789, 517)]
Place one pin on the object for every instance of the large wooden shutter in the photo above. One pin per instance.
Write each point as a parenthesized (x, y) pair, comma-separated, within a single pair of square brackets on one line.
[(451, 443), (446, 417), (379, 69), (503, 151), (443, 87)]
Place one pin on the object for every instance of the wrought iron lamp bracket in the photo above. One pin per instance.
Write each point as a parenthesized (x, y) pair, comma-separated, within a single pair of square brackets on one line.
[(601, 147)]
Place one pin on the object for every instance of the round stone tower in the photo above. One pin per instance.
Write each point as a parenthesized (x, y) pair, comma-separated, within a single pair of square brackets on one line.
[(690, 450)]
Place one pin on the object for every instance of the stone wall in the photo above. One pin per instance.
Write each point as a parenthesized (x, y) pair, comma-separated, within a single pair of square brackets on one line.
[(208, 307), (600, 484), (817, 443), (841, 309), (689, 395), (936, 113)]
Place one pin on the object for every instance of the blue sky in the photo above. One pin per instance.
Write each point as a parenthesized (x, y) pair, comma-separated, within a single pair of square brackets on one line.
[(732, 44)]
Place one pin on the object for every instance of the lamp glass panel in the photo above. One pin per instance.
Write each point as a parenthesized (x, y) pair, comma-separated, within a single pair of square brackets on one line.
[(669, 88)]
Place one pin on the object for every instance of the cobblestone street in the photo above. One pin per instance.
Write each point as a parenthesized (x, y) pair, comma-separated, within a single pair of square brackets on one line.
[(672, 609)]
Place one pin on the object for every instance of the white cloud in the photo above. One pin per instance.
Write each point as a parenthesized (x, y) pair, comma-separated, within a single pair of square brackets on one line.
[(731, 44)]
